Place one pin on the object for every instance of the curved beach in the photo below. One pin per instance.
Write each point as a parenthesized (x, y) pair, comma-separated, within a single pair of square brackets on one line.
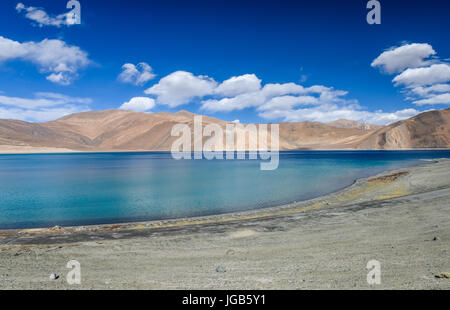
[(399, 217)]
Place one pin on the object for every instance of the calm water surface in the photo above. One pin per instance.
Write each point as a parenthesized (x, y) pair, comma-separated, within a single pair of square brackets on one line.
[(81, 189)]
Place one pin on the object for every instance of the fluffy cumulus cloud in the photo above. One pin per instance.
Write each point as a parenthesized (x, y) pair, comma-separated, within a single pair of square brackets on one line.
[(434, 74), (181, 87), (285, 102), (40, 17), (332, 111), (139, 104), (435, 99), (240, 102), (423, 77), (276, 99), (44, 106), (288, 102), (273, 90), (425, 91), (137, 75), (58, 60), (237, 85), (397, 59)]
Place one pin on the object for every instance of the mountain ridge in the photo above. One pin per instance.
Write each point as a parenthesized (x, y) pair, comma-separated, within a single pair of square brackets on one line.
[(119, 130)]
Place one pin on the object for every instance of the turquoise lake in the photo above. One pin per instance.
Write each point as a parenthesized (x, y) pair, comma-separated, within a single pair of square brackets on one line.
[(99, 188)]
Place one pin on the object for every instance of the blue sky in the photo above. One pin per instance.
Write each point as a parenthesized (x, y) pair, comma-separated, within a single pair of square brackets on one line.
[(253, 61)]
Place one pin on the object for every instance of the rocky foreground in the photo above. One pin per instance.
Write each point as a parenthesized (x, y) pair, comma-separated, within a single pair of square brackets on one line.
[(400, 218)]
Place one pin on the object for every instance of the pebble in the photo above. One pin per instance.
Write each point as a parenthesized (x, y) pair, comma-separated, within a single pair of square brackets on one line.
[(230, 252), (53, 276), (443, 275), (220, 269)]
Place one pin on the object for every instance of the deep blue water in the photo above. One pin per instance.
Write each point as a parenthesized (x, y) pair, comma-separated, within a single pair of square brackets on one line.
[(81, 189)]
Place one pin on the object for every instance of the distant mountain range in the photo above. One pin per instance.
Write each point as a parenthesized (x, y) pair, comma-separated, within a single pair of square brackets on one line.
[(118, 130)]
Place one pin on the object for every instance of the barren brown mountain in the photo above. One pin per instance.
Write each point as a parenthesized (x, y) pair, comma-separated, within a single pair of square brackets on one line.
[(345, 123), (426, 130), (117, 130)]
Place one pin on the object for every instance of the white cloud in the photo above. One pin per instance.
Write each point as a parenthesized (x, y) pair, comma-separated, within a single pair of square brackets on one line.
[(383, 118), (42, 115), (237, 85), (181, 87), (63, 98), (41, 18), (239, 102), (424, 81), (28, 103), (397, 59), (275, 96), (43, 107), (288, 102), (436, 99), (437, 73), (62, 78), (137, 75), (237, 93), (291, 102), (272, 90), (53, 57), (139, 104), (331, 112), (424, 91), (42, 99)]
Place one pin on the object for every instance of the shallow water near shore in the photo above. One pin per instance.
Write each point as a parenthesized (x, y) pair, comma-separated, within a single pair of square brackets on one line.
[(99, 188)]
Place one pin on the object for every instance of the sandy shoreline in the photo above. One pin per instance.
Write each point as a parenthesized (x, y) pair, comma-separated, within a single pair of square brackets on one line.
[(400, 218)]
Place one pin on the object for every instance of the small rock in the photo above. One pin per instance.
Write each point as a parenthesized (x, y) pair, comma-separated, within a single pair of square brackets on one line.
[(436, 239), (443, 275), (230, 252), (220, 269), (53, 276)]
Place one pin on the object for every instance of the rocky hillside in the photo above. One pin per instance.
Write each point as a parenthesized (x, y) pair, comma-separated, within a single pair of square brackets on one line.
[(124, 130), (426, 130)]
